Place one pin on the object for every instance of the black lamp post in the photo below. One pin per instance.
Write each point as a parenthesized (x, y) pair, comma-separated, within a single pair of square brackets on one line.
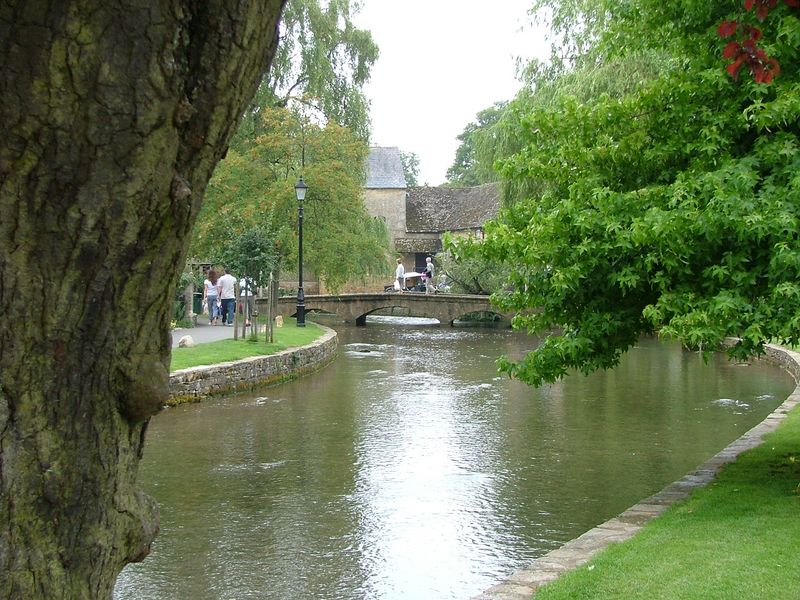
[(300, 190)]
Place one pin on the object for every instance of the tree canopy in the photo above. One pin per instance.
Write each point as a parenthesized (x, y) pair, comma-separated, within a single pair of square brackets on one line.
[(252, 253), (410, 162), (667, 203), (254, 187), (474, 161), (471, 275), (309, 117), (322, 63)]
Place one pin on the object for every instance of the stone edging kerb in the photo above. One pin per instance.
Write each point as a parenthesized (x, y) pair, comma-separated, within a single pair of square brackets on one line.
[(523, 584), (196, 383)]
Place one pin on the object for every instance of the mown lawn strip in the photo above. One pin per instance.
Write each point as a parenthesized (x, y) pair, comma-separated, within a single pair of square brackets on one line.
[(211, 353)]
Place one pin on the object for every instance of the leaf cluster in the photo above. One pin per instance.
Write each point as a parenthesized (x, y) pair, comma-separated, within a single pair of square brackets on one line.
[(251, 253), (410, 162), (472, 273), (321, 65), (666, 203), (477, 150)]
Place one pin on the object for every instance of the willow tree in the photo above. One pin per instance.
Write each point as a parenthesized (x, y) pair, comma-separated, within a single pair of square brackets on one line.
[(477, 150), (320, 68), (113, 116)]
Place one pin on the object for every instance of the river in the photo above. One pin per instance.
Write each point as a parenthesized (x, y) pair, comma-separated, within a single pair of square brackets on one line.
[(409, 469)]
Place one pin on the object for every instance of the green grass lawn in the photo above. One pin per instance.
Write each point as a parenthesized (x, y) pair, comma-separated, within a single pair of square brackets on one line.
[(211, 353), (737, 538)]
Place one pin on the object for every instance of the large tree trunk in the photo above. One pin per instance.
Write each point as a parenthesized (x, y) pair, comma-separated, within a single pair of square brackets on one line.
[(113, 116)]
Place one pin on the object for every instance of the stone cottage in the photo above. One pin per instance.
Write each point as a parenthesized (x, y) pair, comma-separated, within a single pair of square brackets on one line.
[(432, 211), (417, 217)]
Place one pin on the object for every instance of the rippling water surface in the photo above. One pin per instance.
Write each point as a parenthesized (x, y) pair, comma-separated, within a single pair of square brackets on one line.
[(409, 469)]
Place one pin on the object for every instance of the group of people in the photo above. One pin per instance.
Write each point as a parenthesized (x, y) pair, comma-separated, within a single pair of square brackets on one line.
[(219, 296), (426, 276)]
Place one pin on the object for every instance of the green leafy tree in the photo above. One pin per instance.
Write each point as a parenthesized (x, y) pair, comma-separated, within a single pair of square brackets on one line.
[(311, 97), (616, 77), (320, 67), (410, 167), (252, 254), (472, 274), (475, 155), (255, 188), (671, 206)]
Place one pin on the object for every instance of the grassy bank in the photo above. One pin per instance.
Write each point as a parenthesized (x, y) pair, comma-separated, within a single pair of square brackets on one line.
[(211, 353), (737, 538)]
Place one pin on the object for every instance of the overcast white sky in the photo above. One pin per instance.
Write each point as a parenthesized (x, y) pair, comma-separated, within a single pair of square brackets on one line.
[(441, 62)]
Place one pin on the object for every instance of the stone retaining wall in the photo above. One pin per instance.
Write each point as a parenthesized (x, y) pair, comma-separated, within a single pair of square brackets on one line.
[(195, 383), (523, 584)]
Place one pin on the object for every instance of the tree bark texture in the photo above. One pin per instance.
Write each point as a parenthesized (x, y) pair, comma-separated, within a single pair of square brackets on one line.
[(113, 115)]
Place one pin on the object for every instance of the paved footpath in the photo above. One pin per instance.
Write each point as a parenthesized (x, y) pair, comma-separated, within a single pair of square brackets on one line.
[(203, 332)]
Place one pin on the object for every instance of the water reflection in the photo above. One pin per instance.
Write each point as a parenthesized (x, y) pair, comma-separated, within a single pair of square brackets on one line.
[(410, 469)]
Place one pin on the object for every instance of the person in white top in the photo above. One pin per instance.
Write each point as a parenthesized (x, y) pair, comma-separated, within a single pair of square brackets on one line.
[(400, 275), (227, 296), (211, 296), (429, 287)]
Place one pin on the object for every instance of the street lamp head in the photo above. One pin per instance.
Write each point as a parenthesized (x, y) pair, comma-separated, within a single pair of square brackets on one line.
[(300, 189)]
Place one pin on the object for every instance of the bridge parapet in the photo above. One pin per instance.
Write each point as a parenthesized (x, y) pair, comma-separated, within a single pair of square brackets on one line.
[(354, 308)]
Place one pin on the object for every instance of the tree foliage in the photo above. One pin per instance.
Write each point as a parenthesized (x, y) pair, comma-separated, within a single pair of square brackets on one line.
[(671, 206), (475, 155), (309, 116), (410, 168), (471, 274), (321, 65), (251, 253), (746, 50), (255, 188)]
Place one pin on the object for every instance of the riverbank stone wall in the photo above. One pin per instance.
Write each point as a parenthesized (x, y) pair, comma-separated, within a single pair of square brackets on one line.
[(196, 383)]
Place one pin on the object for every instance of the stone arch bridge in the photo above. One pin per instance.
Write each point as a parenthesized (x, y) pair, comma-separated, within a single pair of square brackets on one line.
[(354, 308)]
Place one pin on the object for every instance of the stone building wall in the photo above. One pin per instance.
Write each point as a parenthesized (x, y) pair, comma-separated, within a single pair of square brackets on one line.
[(389, 204)]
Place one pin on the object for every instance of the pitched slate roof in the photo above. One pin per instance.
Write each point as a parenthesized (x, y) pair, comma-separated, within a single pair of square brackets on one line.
[(436, 209), (385, 169), (429, 245)]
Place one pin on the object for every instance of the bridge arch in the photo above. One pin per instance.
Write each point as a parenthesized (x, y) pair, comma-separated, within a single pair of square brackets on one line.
[(354, 308)]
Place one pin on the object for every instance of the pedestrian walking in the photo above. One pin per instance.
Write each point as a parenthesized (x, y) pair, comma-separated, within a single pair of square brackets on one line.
[(211, 296), (400, 276), (226, 286), (429, 270)]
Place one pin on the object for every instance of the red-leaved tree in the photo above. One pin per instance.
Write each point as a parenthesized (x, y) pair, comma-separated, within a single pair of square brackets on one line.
[(745, 51)]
